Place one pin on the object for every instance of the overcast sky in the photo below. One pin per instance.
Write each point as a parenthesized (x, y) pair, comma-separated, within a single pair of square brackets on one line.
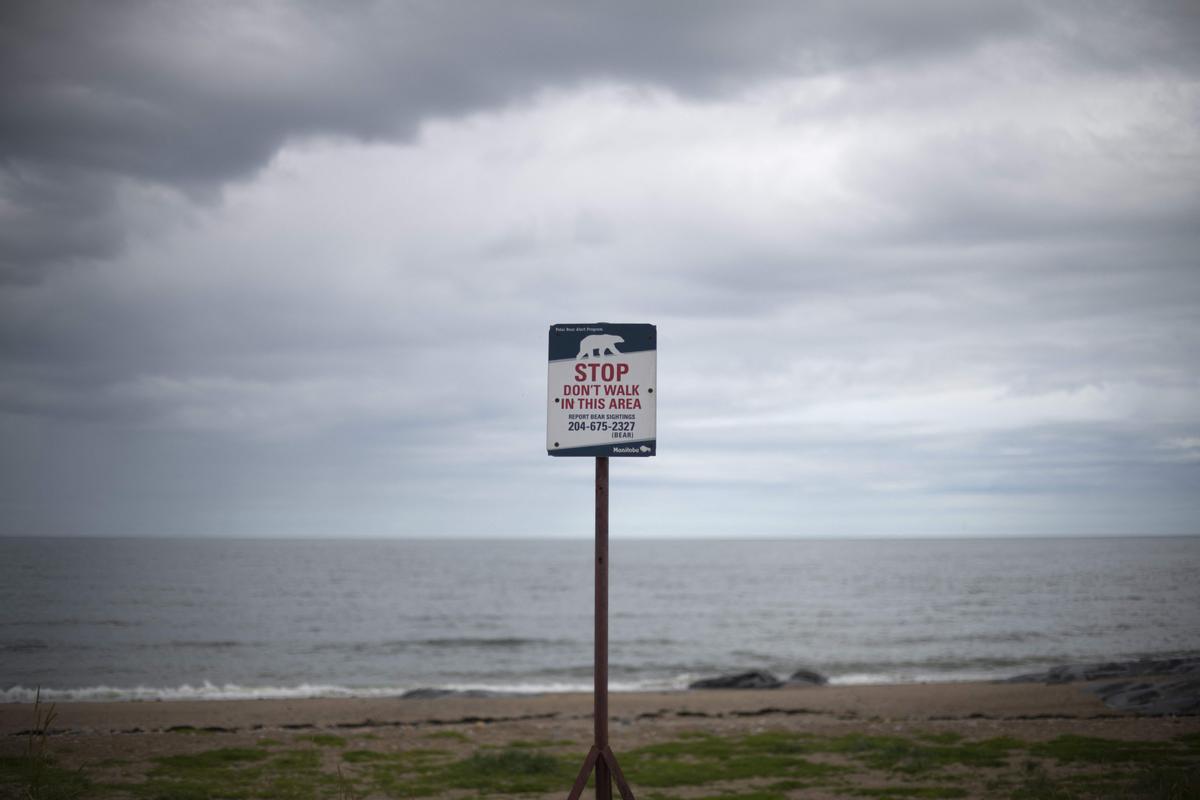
[(929, 268)]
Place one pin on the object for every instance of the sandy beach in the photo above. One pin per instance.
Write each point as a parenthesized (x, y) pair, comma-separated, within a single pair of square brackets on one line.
[(924, 740)]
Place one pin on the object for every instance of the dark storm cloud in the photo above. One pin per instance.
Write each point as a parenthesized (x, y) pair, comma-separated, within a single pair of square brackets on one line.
[(195, 94), (206, 91), (54, 213)]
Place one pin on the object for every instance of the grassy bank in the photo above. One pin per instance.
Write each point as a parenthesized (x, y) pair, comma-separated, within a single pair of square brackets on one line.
[(766, 765)]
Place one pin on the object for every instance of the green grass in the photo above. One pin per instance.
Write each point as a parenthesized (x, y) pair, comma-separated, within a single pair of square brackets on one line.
[(412, 774), (414, 757), (297, 761), (405, 773), (897, 754), (36, 775), (41, 781), (1120, 782), (769, 793), (1091, 750), (905, 792), (510, 771), (536, 743), (323, 740), (940, 738), (788, 785), (703, 759), (1168, 783), (236, 773), (762, 766), (210, 759)]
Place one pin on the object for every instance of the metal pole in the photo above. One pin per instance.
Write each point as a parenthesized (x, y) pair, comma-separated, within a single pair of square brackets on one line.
[(600, 712), (600, 757)]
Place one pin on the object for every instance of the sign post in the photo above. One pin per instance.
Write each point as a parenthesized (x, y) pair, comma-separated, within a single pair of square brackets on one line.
[(601, 403)]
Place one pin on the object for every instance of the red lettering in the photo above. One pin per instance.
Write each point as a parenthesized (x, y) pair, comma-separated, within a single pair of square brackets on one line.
[(628, 390), (601, 372)]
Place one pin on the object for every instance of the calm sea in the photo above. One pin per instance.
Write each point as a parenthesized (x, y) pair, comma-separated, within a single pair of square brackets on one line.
[(125, 619)]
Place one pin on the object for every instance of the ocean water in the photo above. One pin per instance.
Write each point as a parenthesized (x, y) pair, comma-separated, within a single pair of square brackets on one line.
[(165, 619)]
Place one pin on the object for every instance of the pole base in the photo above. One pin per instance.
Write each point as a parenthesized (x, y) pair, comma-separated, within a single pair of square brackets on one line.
[(598, 759)]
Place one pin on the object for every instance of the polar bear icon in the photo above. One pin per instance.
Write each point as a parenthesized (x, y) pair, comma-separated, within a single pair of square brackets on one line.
[(644, 449), (598, 344)]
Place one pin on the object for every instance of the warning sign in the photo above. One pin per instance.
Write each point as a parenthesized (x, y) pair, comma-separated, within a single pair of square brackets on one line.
[(601, 390)]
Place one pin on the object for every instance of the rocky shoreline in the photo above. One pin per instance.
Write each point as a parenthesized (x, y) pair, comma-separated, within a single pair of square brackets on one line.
[(1098, 671), (760, 679), (1169, 687), (1163, 687)]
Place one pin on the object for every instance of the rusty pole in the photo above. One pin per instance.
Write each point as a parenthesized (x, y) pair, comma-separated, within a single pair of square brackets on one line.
[(600, 711), (600, 757)]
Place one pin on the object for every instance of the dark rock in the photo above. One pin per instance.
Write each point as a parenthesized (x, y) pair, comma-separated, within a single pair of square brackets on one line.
[(431, 693), (754, 679), (426, 694), (1069, 673), (1157, 699), (806, 677)]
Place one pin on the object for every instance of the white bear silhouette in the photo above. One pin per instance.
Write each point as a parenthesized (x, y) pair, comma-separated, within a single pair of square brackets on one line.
[(598, 343)]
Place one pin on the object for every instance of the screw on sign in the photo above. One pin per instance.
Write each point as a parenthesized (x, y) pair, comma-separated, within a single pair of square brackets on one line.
[(601, 403)]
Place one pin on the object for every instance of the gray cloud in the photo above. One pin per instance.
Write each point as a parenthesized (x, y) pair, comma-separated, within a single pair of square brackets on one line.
[(929, 267), (197, 95), (54, 214)]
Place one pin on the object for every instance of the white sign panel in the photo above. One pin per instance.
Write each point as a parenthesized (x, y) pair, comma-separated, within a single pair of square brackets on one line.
[(601, 390)]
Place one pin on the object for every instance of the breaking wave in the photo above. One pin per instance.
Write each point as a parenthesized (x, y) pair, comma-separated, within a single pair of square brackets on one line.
[(233, 691), (208, 690)]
